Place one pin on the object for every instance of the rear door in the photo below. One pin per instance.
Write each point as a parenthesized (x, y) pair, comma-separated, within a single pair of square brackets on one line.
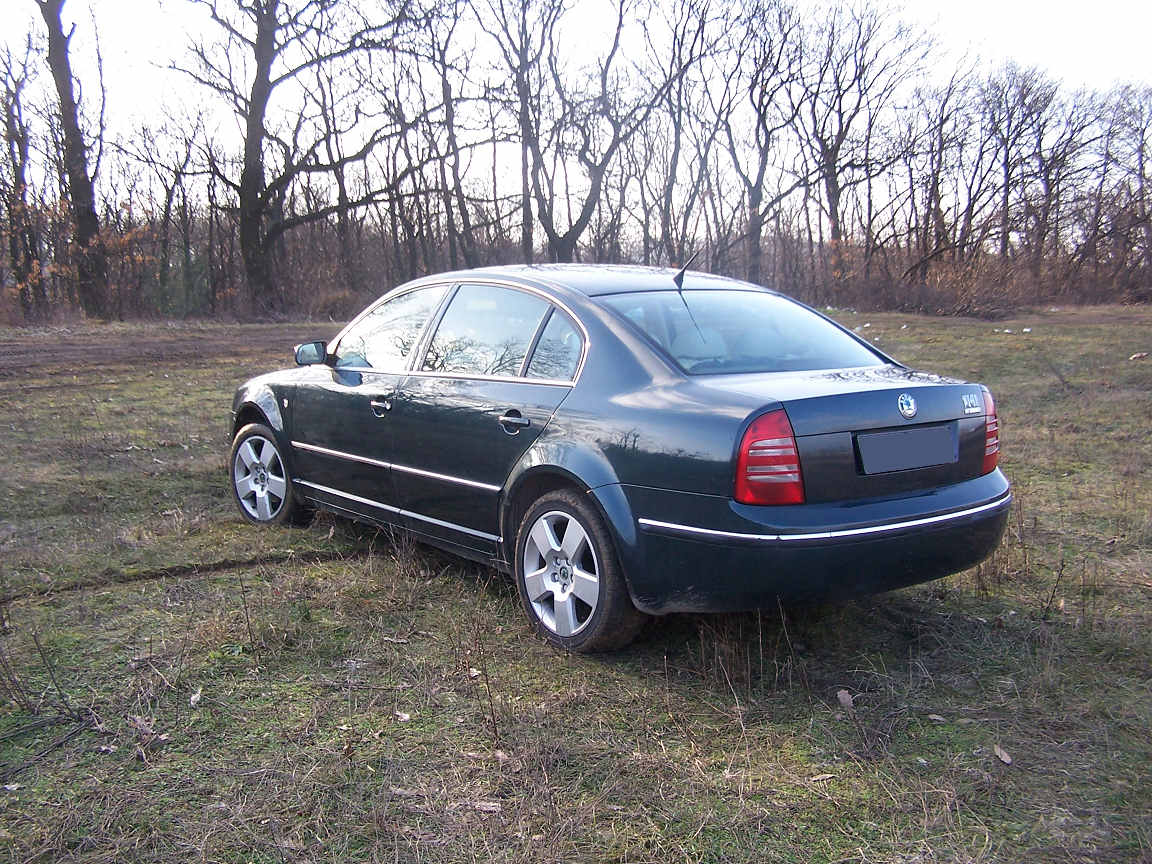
[(341, 438), (497, 366)]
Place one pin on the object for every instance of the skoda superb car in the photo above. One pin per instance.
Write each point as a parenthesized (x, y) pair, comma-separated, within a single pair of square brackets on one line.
[(628, 442)]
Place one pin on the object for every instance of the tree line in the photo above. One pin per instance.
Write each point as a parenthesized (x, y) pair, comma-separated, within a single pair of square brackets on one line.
[(834, 154)]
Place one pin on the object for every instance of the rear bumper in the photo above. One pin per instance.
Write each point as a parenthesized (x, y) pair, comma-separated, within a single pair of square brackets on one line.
[(719, 556)]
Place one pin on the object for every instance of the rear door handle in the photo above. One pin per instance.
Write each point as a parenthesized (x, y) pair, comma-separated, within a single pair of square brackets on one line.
[(380, 407), (512, 422)]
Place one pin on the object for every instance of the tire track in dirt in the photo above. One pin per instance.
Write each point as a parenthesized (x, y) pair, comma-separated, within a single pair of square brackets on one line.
[(116, 576)]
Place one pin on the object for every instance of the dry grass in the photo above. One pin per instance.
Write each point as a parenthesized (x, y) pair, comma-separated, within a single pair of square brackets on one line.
[(363, 699)]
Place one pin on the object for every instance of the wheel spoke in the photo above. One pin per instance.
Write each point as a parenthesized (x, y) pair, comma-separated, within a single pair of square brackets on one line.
[(565, 616), (544, 538), (267, 453), (248, 454), (263, 506), (586, 586), (575, 540), (245, 486), (276, 485), (534, 585)]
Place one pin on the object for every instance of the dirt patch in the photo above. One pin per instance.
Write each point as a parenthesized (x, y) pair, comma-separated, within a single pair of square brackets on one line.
[(68, 351)]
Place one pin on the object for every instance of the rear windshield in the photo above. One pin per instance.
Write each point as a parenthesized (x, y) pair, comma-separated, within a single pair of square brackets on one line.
[(719, 332)]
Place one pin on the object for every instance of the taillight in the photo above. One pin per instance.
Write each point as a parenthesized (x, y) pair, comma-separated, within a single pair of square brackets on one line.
[(991, 433), (768, 467)]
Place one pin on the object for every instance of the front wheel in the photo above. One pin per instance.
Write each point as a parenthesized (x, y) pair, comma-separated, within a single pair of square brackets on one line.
[(568, 578), (261, 484)]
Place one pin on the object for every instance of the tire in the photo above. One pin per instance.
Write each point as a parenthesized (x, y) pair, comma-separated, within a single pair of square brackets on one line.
[(261, 484), (569, 579)]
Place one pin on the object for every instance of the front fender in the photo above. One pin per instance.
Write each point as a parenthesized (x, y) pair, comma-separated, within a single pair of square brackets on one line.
[(258, 394)]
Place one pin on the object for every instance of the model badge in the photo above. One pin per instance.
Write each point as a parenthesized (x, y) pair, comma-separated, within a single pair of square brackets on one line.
[(907, 405)]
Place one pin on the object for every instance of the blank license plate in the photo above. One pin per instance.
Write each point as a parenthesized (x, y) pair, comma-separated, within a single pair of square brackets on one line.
[(905, 449)]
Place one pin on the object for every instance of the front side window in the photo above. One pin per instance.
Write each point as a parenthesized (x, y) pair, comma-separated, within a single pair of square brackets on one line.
[(557, 354), (384, 337), (485, 331), (719, 331)]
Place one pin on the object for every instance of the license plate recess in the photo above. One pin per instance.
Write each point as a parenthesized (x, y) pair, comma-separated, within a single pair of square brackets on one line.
[(907, 449)]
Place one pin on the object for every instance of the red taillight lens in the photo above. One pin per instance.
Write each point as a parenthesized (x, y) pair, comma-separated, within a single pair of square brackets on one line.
[(991, 433), (768, 467)]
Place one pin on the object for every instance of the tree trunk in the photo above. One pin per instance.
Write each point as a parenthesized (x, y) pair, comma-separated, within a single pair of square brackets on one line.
[(753, 251), (91, 257), (525, 165), (835, 228), (264, 296), (1005, 199), (23, 238), (466, 240), (187, 278)]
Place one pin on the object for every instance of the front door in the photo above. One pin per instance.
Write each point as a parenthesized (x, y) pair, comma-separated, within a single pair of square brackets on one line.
[(340, 423), (466, 415)]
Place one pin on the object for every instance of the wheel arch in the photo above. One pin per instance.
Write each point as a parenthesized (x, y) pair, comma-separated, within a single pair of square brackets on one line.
[(546, 468), (256, 403), (528, 487)]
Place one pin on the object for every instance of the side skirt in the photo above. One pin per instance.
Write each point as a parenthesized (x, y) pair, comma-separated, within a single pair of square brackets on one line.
[(420, 537)]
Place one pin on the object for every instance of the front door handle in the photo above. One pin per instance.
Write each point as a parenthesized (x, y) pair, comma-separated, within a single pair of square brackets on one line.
[(380, 407), (512, 422)]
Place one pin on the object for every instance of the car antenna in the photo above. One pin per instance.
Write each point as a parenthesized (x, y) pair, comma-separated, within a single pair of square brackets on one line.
[(679, 277), (679, 280)]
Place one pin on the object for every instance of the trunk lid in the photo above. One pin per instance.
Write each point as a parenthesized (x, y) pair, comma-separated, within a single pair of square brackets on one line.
[(875, 431)]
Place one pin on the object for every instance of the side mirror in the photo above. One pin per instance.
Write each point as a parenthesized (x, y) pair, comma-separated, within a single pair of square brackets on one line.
[(311, 353)]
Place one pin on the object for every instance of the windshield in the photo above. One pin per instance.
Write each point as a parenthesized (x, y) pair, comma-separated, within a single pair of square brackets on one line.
[(718, 332)]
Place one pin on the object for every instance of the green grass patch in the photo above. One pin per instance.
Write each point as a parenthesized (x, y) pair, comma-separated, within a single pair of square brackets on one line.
[(177, 684)]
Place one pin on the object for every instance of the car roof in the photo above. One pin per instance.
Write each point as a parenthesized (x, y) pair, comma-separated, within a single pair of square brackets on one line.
[(594, 280)]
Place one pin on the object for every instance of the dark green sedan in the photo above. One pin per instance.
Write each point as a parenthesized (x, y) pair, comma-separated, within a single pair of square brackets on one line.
[(628, 442)]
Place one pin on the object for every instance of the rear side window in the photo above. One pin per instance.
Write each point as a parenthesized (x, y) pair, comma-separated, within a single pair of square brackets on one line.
[(486, 330), (557, 354), (717, 332), (384, 337)]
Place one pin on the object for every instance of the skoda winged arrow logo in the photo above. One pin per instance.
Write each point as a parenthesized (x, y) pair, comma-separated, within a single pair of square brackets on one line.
[(907, 405)]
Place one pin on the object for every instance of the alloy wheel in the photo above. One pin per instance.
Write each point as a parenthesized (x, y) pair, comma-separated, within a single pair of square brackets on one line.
[(561, 573), (259, 478)]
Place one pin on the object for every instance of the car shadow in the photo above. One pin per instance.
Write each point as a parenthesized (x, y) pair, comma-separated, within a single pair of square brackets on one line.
[(885, 649)]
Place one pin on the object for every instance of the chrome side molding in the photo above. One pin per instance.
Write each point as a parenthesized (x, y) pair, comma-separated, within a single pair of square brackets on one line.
[(822, 535), (352, 457), (398, 511)]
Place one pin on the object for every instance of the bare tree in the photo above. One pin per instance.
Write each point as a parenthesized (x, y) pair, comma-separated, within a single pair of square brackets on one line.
[(855, 59), (687, 33), (523, 31), (22, 230), (447, 55), (1016, 101), (167, 152), (379, 141), (91, 254), (1131, 219), (758, 104), (266, 47)]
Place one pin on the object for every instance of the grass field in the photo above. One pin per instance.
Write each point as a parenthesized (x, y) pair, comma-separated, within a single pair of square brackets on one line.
[(176, 685)]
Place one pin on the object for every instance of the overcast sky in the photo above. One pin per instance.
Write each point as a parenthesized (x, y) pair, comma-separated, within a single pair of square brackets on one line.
[(1091, 45), (1085, 44)]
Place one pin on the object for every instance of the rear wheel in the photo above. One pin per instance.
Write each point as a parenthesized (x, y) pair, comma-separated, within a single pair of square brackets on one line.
[(261, 484), (568, 578)]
